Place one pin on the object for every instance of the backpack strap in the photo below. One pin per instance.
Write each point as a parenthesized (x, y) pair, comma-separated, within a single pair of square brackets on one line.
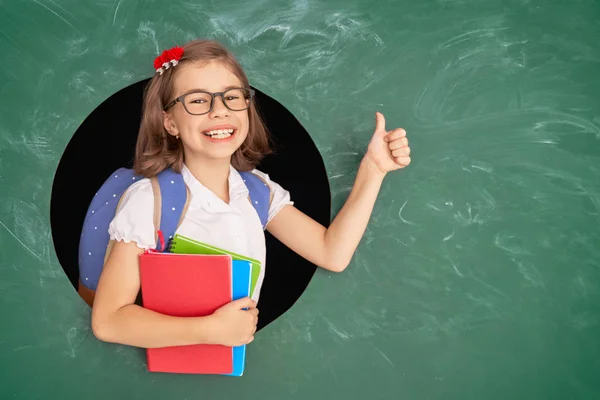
[(260, 195), (171, 200)]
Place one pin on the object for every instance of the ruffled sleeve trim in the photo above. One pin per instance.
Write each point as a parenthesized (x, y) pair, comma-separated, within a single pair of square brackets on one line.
[(133, 220)]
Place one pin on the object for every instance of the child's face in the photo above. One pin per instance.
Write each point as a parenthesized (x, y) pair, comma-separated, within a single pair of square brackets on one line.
[(194, 129)]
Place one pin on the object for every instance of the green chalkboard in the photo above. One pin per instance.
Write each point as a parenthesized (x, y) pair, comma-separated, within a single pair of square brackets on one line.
[(479, 274)]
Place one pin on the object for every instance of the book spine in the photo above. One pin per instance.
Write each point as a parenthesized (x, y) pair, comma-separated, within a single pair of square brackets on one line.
[(171, 246)]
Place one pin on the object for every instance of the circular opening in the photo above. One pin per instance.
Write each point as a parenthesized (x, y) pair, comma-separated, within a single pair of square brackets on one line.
[(106, 141)]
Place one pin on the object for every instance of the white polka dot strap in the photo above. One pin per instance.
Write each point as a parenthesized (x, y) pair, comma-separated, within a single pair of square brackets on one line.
[(173, 193), (260, 195)]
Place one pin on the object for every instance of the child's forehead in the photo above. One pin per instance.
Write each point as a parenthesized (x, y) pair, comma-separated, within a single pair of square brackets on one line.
[(213, 76)]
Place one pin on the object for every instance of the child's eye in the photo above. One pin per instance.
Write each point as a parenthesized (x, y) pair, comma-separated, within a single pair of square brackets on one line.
[(232, 97), (198, 101)]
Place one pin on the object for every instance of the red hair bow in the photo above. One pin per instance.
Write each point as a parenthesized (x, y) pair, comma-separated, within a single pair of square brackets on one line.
[(167, 58)]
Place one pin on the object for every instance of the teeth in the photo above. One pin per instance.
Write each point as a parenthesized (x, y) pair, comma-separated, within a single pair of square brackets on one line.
[(219, 132)]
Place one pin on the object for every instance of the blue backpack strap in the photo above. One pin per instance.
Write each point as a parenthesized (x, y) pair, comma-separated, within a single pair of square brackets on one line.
[(94, 236), (260, 195), (173, 197)]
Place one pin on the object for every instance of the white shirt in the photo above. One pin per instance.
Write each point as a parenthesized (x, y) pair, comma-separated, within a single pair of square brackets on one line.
[(235, 226)]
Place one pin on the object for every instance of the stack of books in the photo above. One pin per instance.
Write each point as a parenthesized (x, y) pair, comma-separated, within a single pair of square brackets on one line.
[(195, 279)]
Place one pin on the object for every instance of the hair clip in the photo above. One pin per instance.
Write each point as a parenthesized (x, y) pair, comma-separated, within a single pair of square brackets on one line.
[(167, 58)]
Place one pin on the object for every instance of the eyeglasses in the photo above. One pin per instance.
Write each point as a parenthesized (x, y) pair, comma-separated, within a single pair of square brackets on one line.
[(200, 102)]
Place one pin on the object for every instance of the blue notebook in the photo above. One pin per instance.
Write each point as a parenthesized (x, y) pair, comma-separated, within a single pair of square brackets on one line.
[(241, 278)]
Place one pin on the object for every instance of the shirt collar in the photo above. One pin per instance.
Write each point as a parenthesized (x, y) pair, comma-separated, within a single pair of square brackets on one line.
[(209, 200)]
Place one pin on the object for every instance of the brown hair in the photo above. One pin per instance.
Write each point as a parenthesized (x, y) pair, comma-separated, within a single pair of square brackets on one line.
[(157, 150)]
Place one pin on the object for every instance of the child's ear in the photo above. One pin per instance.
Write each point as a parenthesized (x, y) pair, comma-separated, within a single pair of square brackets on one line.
[(169, 124)]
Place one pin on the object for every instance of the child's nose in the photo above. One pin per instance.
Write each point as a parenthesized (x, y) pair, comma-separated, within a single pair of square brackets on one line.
[(219, 108)]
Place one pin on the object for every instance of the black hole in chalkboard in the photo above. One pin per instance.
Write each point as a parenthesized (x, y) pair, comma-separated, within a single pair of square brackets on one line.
[(106, 140)]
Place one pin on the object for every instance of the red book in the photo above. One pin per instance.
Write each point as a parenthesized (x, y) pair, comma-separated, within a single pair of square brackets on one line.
[(187, 285)]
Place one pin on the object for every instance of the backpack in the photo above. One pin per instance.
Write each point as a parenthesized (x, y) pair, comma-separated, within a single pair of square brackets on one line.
[(171, 198)]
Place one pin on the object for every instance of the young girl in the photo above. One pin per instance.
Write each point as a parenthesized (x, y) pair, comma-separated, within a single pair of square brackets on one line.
[(199, 119)]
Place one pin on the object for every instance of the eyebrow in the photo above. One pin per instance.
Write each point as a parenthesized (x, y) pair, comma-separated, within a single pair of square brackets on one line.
[(205, 90)]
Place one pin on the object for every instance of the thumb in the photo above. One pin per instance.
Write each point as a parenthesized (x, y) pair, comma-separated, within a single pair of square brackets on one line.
[(245, 302), (379, 122)]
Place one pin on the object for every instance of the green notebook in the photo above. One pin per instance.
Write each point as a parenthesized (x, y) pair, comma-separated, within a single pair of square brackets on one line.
[(184, 245)]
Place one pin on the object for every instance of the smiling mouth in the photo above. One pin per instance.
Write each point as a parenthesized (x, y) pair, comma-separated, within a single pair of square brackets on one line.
[(219, 133)]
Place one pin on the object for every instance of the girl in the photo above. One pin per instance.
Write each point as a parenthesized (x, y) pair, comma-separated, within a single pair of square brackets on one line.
[(199, 119)]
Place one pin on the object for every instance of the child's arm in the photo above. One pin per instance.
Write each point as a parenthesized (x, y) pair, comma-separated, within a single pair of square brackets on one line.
[(334, 247), (115, 317)]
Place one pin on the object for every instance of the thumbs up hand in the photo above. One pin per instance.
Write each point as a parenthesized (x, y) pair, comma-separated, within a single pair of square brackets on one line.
[(388, 150)]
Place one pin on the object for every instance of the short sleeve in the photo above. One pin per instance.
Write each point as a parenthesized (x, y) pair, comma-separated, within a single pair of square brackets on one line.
[(281, 197), (133, 220)]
